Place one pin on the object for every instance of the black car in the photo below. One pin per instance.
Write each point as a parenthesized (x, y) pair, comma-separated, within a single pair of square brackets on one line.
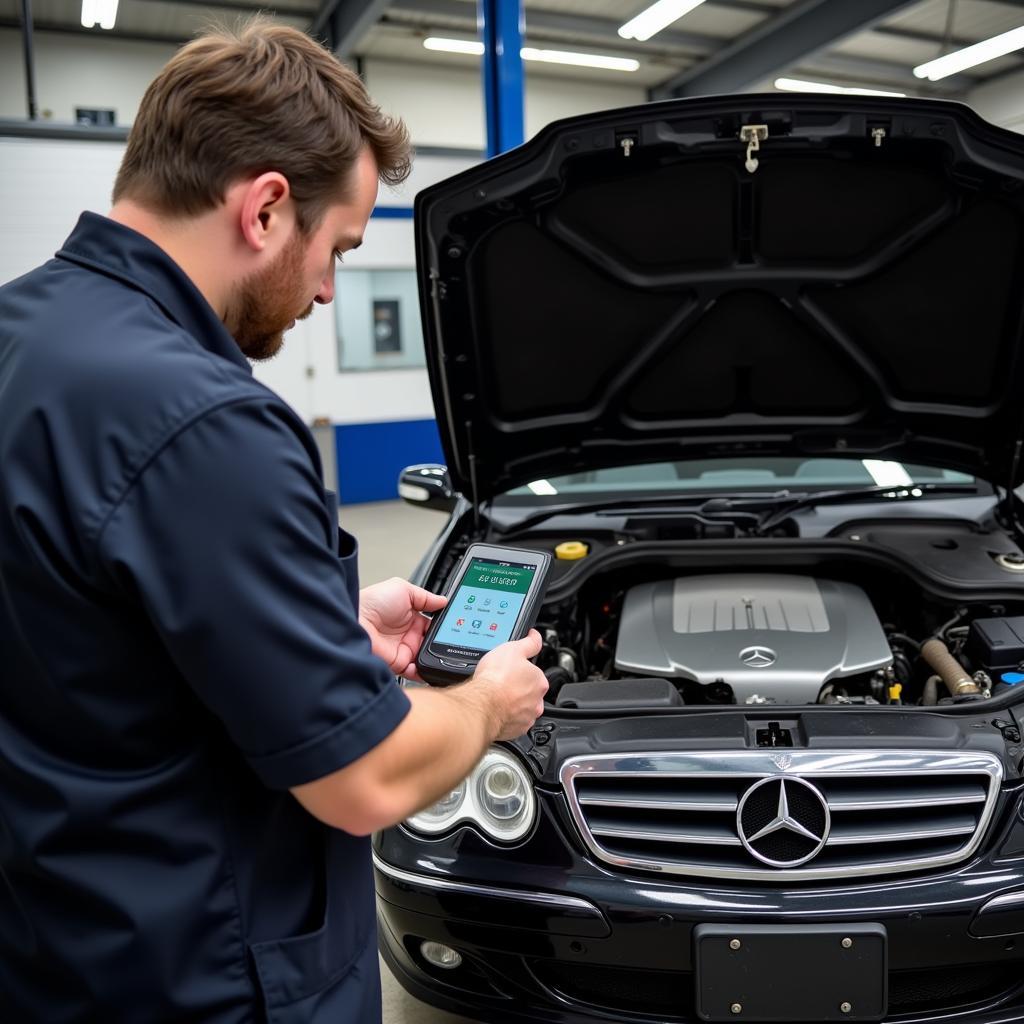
[(752, 368)]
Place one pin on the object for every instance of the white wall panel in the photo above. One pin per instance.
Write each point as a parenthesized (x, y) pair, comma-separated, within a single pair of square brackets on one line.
[(444, 106), (550, 99), (1001, 102), (55, 180), (441, 106), (79, 71)]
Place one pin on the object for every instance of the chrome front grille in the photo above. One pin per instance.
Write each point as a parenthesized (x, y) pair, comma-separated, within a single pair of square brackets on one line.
[(881, 812)]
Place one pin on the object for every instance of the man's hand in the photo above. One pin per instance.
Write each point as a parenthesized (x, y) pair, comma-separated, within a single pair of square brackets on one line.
[(514, 686), (390, 613)]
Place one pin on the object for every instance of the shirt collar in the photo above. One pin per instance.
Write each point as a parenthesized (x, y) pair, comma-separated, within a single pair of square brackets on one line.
[(101, 244)]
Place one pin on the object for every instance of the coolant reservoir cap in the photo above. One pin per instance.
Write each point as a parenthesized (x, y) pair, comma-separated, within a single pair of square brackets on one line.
[(571, 550), (1012, 678)]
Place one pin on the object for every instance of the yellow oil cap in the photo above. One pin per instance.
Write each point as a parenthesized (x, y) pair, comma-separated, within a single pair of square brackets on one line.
[(895, 692), (570, 550)]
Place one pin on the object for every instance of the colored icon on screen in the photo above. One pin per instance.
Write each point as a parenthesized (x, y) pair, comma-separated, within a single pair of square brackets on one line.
[(477, 623), (460, 622), (471, 599), (493, 626), (504, 604)]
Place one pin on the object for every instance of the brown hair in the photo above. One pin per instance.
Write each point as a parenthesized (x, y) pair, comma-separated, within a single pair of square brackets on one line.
[(262, 98)]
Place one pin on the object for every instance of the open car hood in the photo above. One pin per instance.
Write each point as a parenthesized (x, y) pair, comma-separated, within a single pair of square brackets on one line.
[(625, 288)]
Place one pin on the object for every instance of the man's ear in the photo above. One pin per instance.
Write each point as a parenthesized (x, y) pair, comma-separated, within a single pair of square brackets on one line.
[(266, 212)]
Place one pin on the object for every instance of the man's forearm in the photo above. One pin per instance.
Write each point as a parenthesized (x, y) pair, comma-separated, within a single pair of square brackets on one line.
[(448, 731), (430, 752)]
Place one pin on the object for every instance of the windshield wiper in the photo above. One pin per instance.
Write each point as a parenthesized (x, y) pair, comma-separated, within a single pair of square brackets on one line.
[(787, 505), (668, 505), (740, 509)]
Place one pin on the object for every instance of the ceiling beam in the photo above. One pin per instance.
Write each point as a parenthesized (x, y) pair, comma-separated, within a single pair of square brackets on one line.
[(604, 32), (245, 6), (603, 29), (794, 35), (345, 22), (879, 74)]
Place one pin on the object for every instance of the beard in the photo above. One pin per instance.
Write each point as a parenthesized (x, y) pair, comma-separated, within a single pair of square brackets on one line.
[(267, 302)]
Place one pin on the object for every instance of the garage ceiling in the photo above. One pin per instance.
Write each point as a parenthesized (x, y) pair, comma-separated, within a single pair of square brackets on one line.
[(721, 46)]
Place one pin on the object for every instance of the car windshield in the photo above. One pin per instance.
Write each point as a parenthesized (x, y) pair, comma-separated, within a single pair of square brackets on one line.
[(718, 476)]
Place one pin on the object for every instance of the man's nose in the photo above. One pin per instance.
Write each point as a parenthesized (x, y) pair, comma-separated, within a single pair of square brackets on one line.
[(325, 293)]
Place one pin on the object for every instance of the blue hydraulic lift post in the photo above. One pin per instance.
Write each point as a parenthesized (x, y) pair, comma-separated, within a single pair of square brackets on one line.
[(500, 24)]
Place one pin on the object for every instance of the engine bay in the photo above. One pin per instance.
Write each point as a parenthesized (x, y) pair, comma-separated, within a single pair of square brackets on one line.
[(651, 636), (767, 637)]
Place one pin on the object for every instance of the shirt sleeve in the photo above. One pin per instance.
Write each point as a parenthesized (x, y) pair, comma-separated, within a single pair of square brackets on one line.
[(228, 541)]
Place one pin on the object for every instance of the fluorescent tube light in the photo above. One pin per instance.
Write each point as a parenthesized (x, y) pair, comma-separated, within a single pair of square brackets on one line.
[(656, 17), (453, 45), (970, 56), (887, 474), (99, 12), (583, 60), (587, 60), (799, 85)]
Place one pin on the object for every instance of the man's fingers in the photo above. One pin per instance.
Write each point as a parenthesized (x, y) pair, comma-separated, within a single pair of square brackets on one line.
[(530, 644), (423, 600)]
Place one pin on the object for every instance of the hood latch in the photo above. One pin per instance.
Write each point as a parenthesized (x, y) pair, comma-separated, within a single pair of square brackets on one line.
[(753, 135)]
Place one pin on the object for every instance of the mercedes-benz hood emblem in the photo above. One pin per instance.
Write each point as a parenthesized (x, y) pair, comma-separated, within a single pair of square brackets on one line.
[(758, 657), (783, 822)]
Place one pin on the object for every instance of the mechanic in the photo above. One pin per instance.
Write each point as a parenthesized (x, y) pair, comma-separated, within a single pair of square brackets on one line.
[(199, 720)]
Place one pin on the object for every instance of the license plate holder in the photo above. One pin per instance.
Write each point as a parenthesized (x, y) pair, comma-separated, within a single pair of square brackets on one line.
[(791, 973)]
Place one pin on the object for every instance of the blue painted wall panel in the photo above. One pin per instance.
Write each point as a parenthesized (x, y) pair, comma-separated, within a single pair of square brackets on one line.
[(371, 455)]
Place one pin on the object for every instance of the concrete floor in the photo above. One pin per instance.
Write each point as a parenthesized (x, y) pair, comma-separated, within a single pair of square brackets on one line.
[(392, 539)]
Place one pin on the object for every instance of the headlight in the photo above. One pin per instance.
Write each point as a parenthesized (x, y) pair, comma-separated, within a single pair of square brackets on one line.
[(437, 817), (497, 798)]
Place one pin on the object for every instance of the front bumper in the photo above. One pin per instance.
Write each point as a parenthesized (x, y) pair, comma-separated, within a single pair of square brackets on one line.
[(557, 937)]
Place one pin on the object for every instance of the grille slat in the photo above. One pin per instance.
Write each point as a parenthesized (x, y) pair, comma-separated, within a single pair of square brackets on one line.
[(660, 803), (902, 797), (849, 835), (655, 833), (861, 813)]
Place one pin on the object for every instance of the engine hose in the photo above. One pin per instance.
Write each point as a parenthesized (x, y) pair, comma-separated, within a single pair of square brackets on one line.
[(930, 696), (957, 679)]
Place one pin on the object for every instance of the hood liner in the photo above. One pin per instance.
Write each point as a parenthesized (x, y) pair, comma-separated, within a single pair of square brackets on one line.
[(585, 308)]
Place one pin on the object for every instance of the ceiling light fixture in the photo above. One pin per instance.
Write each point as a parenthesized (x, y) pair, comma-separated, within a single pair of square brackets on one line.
[(970, 56), (587, 60), (656, 17), (99, 12), (799, 85), (584, 60), (454, 45)]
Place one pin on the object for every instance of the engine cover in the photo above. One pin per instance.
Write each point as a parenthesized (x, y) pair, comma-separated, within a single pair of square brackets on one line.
[(772, 636)]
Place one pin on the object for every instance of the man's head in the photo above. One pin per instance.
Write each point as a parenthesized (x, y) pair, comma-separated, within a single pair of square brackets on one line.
[(264, 135)]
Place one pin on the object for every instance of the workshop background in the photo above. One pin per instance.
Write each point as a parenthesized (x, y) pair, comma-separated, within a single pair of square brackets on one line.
[(470, 79)]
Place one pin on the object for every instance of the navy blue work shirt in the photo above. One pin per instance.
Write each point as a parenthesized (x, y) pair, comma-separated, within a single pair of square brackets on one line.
[(179, 645)]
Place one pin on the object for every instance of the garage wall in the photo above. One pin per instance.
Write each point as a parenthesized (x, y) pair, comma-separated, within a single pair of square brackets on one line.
[(384, 419), (55, 179), (443, 106), (78, 71), (1001, 102)]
